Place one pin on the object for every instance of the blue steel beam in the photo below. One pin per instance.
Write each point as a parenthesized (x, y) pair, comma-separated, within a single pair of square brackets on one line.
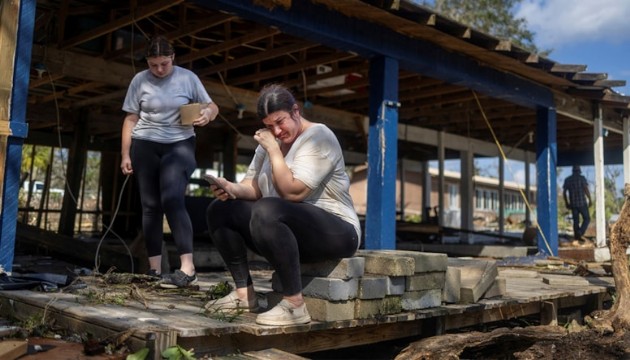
[(380, 220), (319, 24), (547, 193), (18, 126)]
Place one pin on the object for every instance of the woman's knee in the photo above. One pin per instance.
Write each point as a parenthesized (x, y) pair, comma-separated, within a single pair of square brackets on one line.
[(267, 210), (216, 212)]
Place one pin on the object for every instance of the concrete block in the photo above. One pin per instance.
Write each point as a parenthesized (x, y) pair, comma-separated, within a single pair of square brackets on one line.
[(395, 285), (330, 289), (324, 310), (323, 288), (416, 300), (425, 262), (452, 285), (425, 281), (497, 289), (372, 287), (386, 262), (476, 277), (368, 309), (345, 268)]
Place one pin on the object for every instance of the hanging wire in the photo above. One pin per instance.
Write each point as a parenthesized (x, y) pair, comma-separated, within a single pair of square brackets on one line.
[(109, 229), (496, 141)]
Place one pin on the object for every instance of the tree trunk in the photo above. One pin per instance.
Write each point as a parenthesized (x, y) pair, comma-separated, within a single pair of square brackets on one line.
[(618, 317), (451, 346)]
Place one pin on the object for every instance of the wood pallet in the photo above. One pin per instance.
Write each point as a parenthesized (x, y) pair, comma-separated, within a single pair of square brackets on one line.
[(170, 318)]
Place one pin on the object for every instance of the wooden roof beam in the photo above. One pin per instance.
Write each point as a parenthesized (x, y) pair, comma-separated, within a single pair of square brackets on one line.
[(567, 68), (297, 67), (253, 59), (588, 76), (73, 91), (141, 12), (230, 44), (191, 28)]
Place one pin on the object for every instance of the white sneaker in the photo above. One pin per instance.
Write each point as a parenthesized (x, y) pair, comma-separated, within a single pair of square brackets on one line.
[(231, 302), (284, 314)]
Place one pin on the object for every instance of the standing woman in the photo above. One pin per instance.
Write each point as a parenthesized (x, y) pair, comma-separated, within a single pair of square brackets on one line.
[(292, 206), (160, 152)]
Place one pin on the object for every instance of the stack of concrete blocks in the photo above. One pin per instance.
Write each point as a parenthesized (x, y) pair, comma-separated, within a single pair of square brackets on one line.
[(371, 284)]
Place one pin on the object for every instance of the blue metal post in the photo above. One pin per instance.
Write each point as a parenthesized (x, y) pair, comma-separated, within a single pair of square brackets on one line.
[(547, 197), (18, 126), (380, 222)]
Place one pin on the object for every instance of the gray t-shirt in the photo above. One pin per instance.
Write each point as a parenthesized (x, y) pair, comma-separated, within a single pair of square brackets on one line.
[(315, 159), (157, 100)]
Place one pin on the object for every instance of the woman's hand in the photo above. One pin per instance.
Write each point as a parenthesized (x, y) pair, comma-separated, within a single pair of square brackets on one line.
[(266, 139), (204, 119), (125, 166), (209, 113), (221, 188)]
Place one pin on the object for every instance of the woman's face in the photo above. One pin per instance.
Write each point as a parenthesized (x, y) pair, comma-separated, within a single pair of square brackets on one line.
[(285, 126), (160, 66)]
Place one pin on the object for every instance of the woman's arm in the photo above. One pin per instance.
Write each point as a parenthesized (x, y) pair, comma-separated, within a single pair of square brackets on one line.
[(245, 190), (128, 124), (286, 185)]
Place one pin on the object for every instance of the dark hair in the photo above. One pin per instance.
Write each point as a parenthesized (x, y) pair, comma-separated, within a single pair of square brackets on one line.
[(272, 98), (159, 46)]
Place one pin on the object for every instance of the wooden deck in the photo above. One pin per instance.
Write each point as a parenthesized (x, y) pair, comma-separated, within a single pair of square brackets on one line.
[(162, 318)]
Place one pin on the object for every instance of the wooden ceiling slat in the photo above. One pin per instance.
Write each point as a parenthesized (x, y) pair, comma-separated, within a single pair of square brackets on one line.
[(567, 68), (138, 14), (252, 59), (229, 44), (72, 91), (287, 69), (188, 30), (588, 76)]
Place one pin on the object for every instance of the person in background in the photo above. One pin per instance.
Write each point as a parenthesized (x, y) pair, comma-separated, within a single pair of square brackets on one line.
[(292, 206), (160, 152), (577, 198)]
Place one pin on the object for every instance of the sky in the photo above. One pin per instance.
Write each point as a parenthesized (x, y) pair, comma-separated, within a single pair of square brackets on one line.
[(595, 33)]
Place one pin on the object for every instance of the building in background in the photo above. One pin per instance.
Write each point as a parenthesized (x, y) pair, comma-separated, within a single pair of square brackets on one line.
[(485, 202)]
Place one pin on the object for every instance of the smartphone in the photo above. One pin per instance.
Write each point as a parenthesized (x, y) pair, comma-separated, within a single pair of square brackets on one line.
[(212, 180)]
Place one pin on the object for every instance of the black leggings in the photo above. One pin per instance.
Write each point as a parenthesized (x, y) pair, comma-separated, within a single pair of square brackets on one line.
[(163, 172), (285, 233)]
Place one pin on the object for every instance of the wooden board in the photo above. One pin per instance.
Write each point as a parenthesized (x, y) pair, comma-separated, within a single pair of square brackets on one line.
[(13, 349), (175, 318), (564, 280)]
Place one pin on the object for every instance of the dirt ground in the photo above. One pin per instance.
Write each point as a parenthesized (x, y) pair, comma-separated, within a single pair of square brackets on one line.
[(585, 345), (581, 345)]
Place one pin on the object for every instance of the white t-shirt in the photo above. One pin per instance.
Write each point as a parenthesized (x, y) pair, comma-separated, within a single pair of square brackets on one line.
[(316, 159), (157, 100)]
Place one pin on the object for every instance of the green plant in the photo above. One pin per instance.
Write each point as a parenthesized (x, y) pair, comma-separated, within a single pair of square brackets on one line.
[(178, 353), (138, 355)]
